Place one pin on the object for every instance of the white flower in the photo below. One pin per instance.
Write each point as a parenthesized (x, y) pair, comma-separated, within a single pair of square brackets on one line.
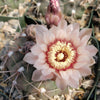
[(61, 53)]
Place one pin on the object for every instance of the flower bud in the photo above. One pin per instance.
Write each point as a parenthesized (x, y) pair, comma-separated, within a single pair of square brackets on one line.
[(53, 15)]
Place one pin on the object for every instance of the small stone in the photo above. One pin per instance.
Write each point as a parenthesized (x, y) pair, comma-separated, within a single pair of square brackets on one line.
[(31, 97), (71, 0), (11, 42), (42, 90), (87, 83), (73, 11), (56, 97), (14, 13), (14, 82), (1, 24), (10, 53), (98, 92), (1, 67), (21, 69), (68, 97), (14, 23), (21, 9), (23, 35), (7, 28)]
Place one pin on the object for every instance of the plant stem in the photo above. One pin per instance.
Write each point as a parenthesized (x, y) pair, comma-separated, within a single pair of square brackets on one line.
[(91, 15)]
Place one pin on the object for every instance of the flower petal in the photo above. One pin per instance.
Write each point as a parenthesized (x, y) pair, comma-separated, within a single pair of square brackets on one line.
[(36, 49), (82, 50), (43, 47), (75, 35), (40, 61), (68, 31), (71, 77), (38, 76), (42, 56), (48, 38), (86, 59), (79, 65), (47, 71), (76, 75), (92, 50), (61, 83), (40, 65), (84, 40), (30, 58), (59, 33), (84, 71), (40, 32), (62, 25), (83, 58), (66, 74), (72, 27), (76, 26), (85, 32), (69, 28), (73, 83), (75, 38)]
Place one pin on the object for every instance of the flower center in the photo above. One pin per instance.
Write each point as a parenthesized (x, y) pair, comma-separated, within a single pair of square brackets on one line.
[(61, 55)]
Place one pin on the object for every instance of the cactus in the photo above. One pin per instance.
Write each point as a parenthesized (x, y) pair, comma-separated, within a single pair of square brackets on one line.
[(15, 61)]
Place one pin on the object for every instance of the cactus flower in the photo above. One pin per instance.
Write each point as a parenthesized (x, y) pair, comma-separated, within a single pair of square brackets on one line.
[(53, 15), (62, 53)]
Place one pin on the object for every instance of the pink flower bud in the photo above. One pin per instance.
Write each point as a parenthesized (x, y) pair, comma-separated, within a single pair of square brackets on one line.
[(53, 15)]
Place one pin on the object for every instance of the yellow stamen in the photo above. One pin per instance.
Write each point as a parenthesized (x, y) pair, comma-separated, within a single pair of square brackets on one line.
[(61, 55)]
